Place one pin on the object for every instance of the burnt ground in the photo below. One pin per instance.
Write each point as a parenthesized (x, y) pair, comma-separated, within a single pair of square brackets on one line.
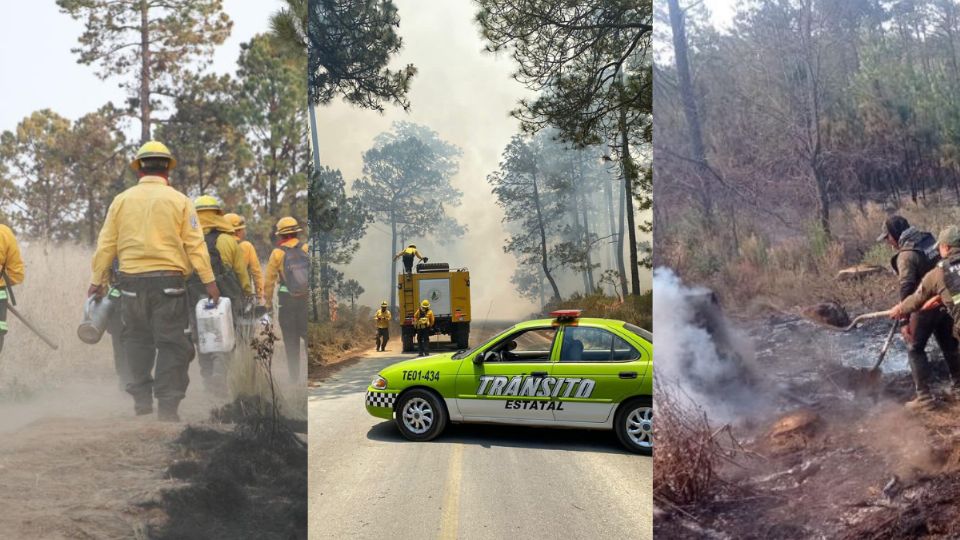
[(830, 455), (245, 482)]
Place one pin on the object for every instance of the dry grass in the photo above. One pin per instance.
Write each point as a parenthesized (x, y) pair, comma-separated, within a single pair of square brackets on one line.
[(637, 310), (52, 298), (755, 269), (353, 329), (687, 456)]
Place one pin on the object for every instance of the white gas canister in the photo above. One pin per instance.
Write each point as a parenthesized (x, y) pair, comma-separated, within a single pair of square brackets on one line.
[(215, 333)]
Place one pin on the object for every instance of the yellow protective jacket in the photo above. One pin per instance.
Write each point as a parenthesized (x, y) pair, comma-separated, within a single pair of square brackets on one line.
[(383, 318), (419, 314), (253, 265), (275, 268), (230, 252), (151, 227), (409, 251), (10, 257)]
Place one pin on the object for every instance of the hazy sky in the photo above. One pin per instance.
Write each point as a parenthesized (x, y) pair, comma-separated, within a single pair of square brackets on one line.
[(465, 95), (37, 69), (721, 11)]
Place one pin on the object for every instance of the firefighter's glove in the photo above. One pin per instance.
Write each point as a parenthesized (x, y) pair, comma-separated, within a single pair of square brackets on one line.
[(97, 291)]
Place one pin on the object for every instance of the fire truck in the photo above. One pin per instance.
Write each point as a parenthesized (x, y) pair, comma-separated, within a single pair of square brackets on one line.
[(449, 294)]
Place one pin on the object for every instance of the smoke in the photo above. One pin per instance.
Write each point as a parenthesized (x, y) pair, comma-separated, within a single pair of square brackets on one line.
[(466, 96), (700, 351)]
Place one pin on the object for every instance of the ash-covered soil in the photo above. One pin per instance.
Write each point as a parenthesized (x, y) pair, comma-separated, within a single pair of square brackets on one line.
[(830, 452), (248, 482)]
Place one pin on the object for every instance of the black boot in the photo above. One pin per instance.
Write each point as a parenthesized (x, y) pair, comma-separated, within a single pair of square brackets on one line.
[(143, 409), (142, 402), (167, 411), (920, 369)]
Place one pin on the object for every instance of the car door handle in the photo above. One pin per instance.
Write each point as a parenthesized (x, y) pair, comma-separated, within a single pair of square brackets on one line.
[(628, 374), (540, 374)]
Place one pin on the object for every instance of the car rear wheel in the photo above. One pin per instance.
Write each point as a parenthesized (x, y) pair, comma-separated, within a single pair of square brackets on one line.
[(634, 425), (420, 415)]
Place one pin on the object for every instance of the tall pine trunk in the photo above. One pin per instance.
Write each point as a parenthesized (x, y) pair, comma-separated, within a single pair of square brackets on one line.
[(544, 263), (145, 110), (588, 284), (611, 255), (325, 290), (694, 130), (579, 233), (393, 263), (621, 267), (629, 177)]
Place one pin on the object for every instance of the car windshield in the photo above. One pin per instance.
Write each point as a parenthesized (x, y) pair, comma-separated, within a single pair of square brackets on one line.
[(466, 353), (645, 334)]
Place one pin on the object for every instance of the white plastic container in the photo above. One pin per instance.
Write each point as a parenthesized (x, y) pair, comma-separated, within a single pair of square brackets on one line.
[(215, 333)]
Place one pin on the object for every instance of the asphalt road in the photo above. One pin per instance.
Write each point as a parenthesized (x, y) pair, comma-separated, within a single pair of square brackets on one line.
[(475, 481)]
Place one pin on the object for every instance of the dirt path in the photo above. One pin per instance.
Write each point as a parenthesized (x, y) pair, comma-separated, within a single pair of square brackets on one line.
[(76, 463), (69, 478)]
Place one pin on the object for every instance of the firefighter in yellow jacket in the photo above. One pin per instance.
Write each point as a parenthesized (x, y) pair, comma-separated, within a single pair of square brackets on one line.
[(12, 266), (154, 232), (383, 317), (423, 321), (289, 267), (408, 255), (249, 253), (230, 270)]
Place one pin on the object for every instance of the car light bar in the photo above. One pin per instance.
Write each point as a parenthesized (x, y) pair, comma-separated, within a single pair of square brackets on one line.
[(566, 314)]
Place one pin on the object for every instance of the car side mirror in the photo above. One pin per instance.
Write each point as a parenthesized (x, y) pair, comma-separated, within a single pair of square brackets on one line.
[(488, 356)]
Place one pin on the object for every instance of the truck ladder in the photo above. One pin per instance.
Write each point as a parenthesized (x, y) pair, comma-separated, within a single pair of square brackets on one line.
[(409, 300)]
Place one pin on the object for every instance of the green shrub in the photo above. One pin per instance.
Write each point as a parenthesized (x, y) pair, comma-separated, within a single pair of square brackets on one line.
[(877, 255)]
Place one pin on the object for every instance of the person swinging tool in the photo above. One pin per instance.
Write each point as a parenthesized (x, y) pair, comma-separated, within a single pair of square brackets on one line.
[(938, 321), (289, 265), (408, 255), (423, 321), (383, 326), (12, 273), (230, 270), (154, 231)]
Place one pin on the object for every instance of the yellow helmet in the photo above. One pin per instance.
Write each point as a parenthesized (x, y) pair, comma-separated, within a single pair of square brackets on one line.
[(425, 303), (206, 202), (236, 220), (288, 225), (383, 304), (153, 149)]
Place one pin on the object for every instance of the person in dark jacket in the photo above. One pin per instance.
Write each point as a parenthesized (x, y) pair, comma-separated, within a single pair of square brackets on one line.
[(917, 254)]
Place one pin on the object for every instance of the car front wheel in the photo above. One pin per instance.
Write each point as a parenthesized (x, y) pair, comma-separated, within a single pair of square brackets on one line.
[(634, 425), (420, 415)]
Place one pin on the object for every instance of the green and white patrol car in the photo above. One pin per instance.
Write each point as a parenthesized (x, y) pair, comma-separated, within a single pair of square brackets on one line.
[(563, 372)]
